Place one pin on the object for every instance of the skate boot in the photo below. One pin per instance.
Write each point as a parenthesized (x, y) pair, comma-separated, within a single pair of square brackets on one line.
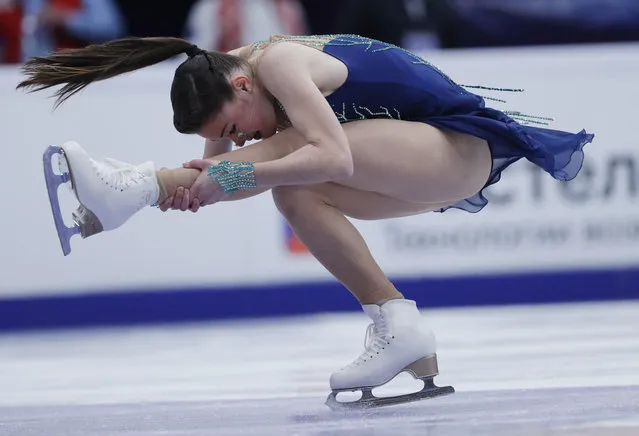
[(109, 192), (397, 341)]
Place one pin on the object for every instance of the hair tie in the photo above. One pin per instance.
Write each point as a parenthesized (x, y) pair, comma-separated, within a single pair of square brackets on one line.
[(193, 50)]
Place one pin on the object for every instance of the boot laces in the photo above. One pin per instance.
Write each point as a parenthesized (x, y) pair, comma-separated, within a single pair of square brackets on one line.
[(376, 339)]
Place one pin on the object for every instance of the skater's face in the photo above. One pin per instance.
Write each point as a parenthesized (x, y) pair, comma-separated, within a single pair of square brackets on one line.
[(249, 116)]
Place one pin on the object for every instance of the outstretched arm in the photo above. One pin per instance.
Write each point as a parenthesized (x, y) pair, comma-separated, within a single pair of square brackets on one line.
[(316, 152), (326, 154), (274, 149)]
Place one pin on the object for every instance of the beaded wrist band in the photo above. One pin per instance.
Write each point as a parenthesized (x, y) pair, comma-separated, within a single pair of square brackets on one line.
[(233, 176)]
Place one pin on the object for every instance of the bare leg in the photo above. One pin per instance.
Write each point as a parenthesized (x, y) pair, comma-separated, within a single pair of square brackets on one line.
[(401, 168), (317, 215), (408, 160), (170, 180)]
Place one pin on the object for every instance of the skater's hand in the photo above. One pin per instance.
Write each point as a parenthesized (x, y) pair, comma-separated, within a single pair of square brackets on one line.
[(181, 200), (205, 190)]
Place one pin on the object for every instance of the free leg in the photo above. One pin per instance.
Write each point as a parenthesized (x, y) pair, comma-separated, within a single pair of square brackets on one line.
[(404, 160)]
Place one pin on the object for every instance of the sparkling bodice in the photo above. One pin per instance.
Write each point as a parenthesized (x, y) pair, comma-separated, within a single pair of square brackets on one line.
[(387, 81), (384, 81)]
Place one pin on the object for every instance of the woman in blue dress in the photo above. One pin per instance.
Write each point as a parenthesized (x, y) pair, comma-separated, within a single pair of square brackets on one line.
[(347, 127)]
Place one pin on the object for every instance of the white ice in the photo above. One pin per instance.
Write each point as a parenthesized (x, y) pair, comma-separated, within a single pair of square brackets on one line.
[(548, 369)]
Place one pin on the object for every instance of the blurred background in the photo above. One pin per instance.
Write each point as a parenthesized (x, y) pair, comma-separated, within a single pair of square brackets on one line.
[(32, 27), (538, 241), (572, 246)]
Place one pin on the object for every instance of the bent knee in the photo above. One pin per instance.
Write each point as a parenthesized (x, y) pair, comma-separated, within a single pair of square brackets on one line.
[(293, 200)]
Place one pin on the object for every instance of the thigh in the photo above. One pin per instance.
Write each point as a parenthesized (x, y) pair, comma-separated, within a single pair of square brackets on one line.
[(406, 160), (416, 161), (354, 203)]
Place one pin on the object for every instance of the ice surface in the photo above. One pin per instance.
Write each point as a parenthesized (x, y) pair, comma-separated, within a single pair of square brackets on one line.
[(543, 370)]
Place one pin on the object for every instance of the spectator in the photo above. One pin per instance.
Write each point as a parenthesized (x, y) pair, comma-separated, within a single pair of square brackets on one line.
[(320, 15), (148, 18), (223, 25), (49, 25), (483, 23), (10, 18), (384, 20)]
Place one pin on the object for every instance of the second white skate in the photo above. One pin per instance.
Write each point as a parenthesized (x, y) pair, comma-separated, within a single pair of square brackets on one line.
[(396, 341)]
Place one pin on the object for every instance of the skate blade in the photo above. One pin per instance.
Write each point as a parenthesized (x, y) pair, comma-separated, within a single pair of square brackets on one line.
[(370, 401), (53, 181)]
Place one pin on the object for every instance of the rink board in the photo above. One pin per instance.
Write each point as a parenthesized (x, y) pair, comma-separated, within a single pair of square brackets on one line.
[(537, 241), (186, 305)]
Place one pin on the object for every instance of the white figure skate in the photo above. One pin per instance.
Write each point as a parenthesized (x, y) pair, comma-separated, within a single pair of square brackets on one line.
[(109, 192), (397, 341)]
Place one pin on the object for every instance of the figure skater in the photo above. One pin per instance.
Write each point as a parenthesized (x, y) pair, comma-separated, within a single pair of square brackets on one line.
[(349, 127)]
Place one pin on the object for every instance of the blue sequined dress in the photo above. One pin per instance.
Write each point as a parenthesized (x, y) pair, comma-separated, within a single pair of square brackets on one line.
[(385, 81)]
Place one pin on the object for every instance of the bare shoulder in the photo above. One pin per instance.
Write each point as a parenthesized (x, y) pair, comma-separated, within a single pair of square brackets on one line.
[(236, 51), (286, 61), (282, 69), (283, 55), (241, 51)]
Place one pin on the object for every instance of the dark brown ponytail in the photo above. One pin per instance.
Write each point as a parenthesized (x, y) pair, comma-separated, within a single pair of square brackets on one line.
[(200, 85), (77, 68)]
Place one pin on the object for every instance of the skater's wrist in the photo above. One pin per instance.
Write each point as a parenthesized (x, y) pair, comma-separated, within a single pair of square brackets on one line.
[(233, 176)]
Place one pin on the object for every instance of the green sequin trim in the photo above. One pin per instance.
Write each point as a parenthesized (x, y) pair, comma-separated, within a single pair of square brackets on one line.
[(233, 176)]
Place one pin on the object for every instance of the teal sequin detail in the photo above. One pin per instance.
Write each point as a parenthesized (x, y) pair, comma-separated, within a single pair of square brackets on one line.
[(366, 113), (528, 119), (233, 176), (346, 40)]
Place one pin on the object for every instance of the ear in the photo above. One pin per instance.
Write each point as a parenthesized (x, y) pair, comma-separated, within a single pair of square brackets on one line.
[(242, 83)]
